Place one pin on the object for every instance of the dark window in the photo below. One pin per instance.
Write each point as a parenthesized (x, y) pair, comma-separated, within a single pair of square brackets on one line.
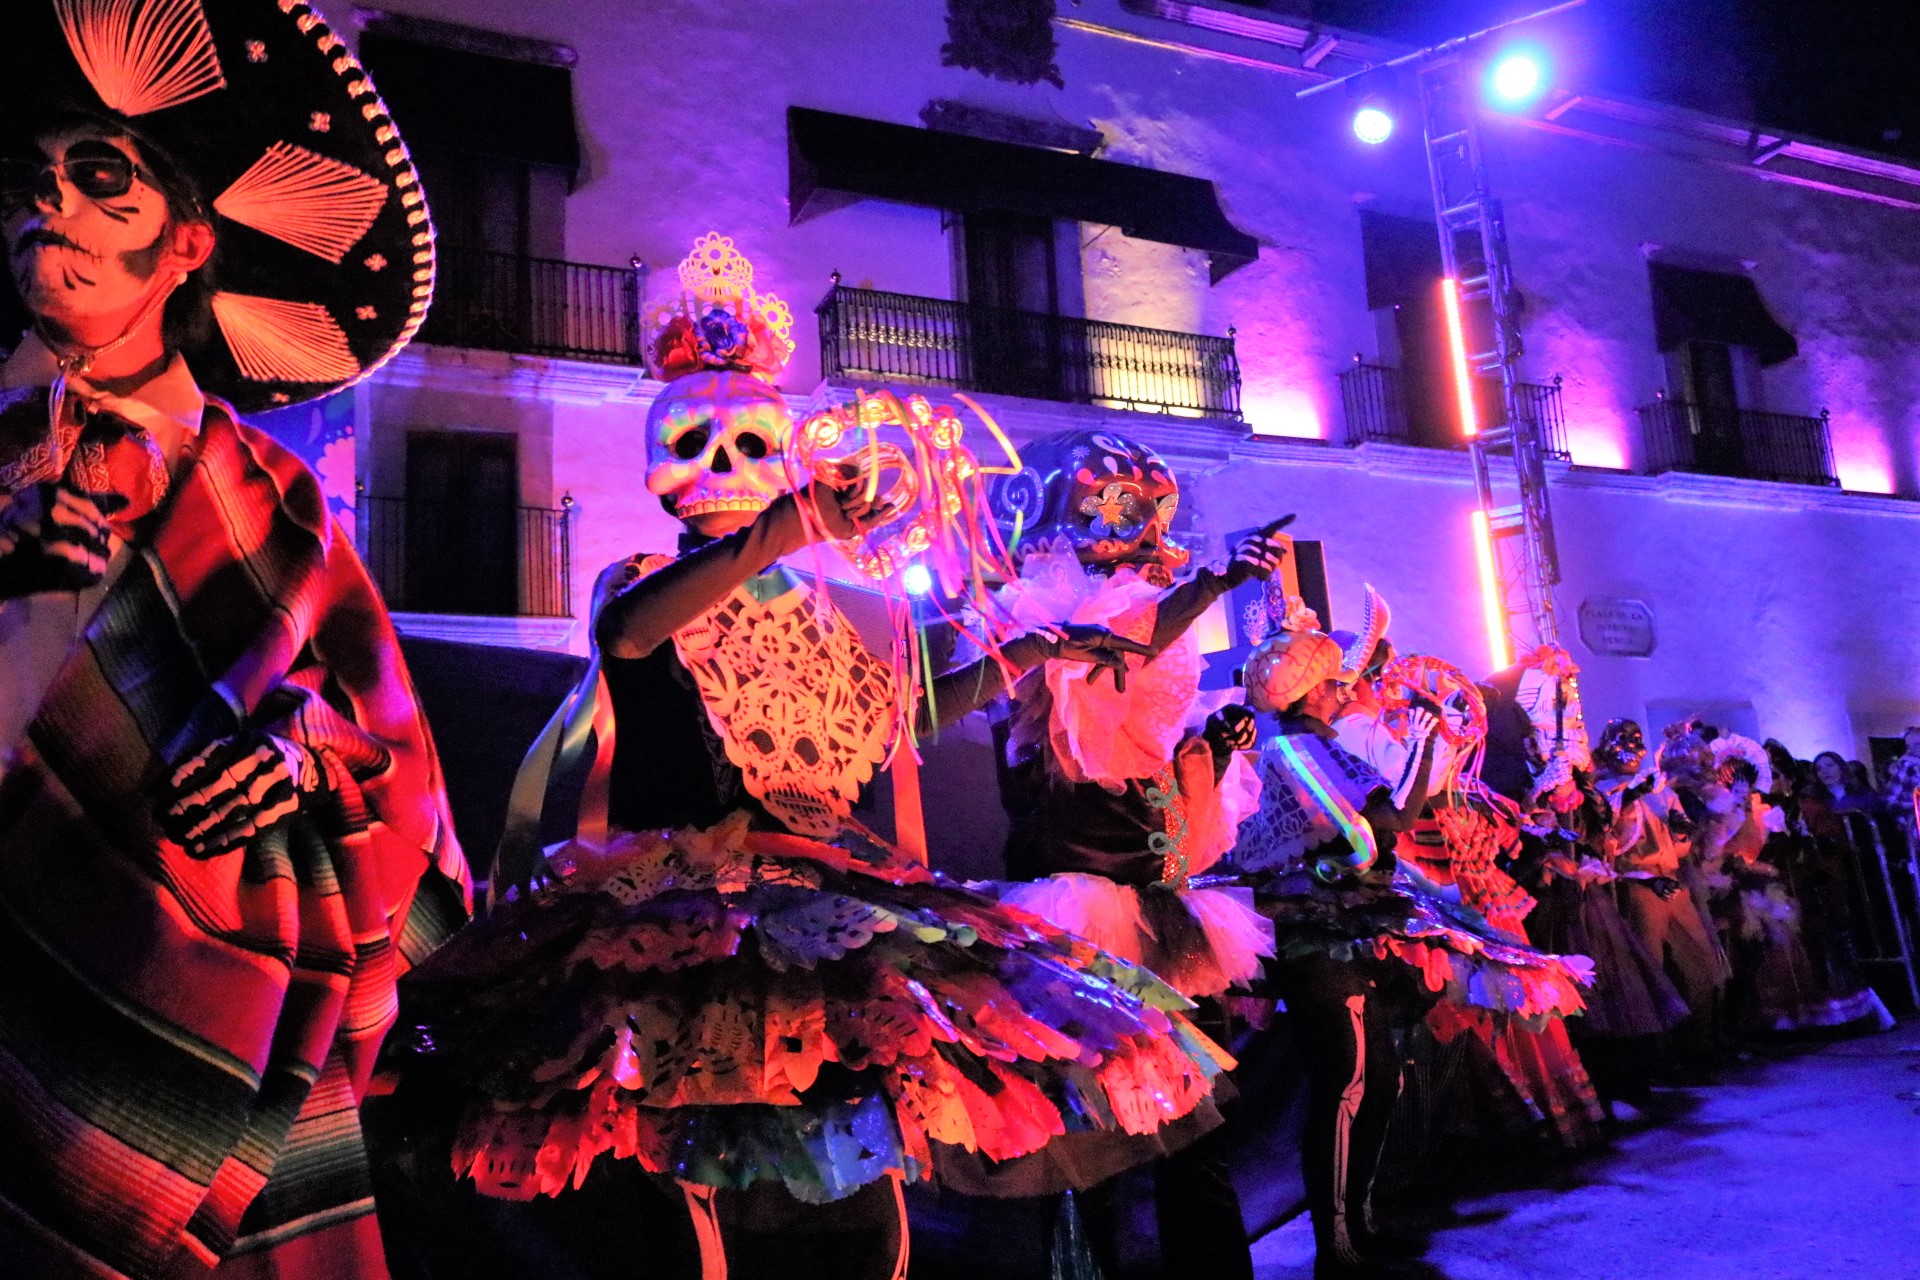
[(1012, 280), (1402, 259), (462, 509), (1010, 262)]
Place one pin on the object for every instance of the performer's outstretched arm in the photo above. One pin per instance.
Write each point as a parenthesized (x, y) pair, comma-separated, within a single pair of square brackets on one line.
[(644, 616), (1257, 557), (965, 690)]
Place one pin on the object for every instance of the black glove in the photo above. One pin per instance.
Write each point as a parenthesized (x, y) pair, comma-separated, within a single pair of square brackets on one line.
[(1258, 556), (1232, 728), (235, 789), (53, 537), (1665, 886), (1073, 642)]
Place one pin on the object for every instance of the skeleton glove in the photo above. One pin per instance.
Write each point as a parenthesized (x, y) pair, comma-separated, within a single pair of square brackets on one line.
[(1073, 642), (1232, 728), (1258, 555), (235, 789), (54, 538)]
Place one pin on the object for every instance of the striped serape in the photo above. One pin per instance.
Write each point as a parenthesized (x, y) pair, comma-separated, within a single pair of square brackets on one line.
[(184, 1044)]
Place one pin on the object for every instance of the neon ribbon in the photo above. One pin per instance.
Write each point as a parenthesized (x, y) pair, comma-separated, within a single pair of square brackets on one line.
[(1353, 825)]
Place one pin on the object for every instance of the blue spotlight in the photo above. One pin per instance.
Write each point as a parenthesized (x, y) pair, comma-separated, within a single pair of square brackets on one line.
[(1517, 78), (1372, 125), (917, 579)]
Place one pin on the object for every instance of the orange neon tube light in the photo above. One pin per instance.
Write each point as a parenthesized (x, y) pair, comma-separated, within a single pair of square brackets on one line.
[(1457, 352), (1491, 606)]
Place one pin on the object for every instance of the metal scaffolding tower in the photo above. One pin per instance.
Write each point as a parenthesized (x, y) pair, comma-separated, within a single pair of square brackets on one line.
[(1473, 252)]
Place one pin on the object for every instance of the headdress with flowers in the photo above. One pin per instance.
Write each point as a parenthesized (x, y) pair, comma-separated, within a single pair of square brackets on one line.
[(718, 321)]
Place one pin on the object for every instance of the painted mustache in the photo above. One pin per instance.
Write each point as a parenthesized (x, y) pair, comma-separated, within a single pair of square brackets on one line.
[(36, 237)]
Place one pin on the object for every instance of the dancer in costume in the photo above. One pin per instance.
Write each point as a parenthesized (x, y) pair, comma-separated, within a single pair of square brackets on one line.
[(1650, 839), (222, 819), (1354, 927), (1530, 1073), (1116, 803), (1537, 747), (728, 979)]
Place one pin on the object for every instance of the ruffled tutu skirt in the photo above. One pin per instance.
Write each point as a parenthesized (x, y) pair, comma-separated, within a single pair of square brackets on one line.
[(1457, 955), (730, 1007), (1200, 940), (1631, 995)]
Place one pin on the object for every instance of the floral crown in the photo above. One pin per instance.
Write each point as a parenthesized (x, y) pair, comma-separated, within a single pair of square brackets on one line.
[(718, 322)]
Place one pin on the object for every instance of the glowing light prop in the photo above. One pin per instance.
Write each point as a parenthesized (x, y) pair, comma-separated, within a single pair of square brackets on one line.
[(1457, 357), (1499, 651), (933, 534)]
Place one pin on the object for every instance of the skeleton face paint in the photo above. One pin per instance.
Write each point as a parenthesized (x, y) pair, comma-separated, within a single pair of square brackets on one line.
[(77, 257), (1113, 499), (714, 446)]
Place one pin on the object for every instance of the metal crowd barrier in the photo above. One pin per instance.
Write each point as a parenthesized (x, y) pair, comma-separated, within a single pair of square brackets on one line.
[(1884, 874)]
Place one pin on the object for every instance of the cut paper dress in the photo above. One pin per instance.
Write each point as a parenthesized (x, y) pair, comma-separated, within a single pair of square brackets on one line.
[(1458, 844), (737, 983)]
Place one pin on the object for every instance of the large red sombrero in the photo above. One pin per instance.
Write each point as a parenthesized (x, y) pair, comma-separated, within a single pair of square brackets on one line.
[(325, 262)]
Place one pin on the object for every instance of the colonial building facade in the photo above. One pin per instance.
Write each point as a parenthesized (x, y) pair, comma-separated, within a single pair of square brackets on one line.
[(1127, 219)]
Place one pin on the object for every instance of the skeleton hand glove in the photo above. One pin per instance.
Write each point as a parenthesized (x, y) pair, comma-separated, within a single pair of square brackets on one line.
[(1258, 555), (1072, 642), (235, 789), (53, 537), (1233, 728)]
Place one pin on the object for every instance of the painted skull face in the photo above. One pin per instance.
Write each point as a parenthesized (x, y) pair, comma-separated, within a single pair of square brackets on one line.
[(86, 233), (714, 449), (1113, 499)]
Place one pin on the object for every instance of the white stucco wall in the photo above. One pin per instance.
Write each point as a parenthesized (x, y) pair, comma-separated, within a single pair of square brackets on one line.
[(1803, 610)]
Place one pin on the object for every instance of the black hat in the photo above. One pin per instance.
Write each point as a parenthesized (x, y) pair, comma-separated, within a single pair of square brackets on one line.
[(325, 260)]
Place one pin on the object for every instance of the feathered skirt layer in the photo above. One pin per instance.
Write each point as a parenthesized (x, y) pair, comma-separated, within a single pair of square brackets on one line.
[(1201, 941), (731, 1006), (1457, 955)]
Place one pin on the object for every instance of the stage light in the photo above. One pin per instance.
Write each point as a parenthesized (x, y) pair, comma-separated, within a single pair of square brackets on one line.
[(917, 579), (1457, 356), (1517, 78), (1492, 608), (1372, 124)]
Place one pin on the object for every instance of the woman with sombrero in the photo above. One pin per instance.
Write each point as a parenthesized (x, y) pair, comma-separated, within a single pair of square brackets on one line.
[(222, 827)]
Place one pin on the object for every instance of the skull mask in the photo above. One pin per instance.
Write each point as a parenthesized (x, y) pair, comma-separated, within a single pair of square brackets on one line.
[(714, 449), (1113, 499), (1622, 747)]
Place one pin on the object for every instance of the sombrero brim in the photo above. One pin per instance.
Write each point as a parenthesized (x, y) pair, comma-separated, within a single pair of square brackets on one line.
[(325, 262)]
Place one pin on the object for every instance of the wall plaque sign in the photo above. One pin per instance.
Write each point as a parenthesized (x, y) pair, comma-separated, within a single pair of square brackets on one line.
[(1617, 628)]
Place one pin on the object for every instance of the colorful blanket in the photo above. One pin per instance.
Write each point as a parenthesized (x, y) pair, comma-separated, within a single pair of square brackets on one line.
[(184, 1044)]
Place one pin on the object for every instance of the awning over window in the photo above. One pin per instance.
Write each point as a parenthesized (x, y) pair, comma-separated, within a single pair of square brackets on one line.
[(832, 155), (1690, 305), (459, 100)]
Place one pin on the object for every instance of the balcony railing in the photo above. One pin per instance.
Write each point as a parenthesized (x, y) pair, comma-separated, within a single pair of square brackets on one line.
[(484, 559), (1376, 404), (1736, 442), (535, 306), (898, 337)]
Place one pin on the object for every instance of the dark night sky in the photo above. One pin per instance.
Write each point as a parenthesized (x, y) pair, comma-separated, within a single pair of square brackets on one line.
[(1846, 71)]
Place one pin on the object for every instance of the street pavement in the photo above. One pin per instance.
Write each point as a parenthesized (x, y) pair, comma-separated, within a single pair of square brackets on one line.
[(1794, 1167)]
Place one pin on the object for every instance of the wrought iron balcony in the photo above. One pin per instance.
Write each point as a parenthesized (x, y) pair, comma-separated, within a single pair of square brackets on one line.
[(895, 337), (1736, 442), (478, 559), (535, 306), (1375, 399)]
